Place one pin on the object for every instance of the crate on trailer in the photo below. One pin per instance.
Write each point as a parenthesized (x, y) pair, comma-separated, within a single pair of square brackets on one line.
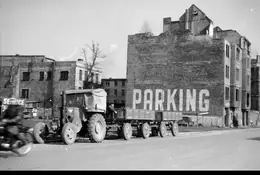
[(149, 115), (136, 114), (158, 116), (128, 113)]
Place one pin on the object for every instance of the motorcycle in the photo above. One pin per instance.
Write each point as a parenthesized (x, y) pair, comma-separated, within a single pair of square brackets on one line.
[(18, 147)]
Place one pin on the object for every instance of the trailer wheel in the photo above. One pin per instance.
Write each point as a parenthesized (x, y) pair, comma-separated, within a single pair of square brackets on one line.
[(174, 129), (145, 130), (40, 131), (97, 128), (162, 129), (69, 133), (127, 131)]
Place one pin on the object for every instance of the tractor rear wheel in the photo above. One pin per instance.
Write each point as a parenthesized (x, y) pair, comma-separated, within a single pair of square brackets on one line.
[(145, 130), (97, 128), (127, 131)]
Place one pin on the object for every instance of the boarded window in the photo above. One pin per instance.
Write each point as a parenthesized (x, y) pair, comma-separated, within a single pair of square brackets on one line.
[(115, 83), (64, 75), (123, 83), (115, 92), (123, 92), (25, 93)]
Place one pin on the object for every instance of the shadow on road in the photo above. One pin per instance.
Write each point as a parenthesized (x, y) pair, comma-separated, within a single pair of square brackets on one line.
[(254, 138), (7, 154)]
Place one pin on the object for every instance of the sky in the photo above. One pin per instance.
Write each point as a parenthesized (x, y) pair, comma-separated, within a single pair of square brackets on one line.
[(60, 28)]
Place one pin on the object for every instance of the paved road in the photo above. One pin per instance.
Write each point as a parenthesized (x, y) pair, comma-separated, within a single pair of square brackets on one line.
[(238, 149)]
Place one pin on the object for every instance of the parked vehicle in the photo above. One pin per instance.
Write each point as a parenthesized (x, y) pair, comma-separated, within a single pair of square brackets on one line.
[(185, 121), (85, 112)]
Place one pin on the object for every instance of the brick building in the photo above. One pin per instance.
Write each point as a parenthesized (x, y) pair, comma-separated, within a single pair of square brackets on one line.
[(116, 91), (190, 67), (255, 83), (40, 79)]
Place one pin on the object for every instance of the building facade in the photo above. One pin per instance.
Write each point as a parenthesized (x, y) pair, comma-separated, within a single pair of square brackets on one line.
[(116, 91), (41, 80), (191, 68), (255, 83)]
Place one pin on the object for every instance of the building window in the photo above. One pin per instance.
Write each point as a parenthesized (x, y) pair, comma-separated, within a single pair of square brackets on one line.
[(115, 83), (237, 95), (115, 92), (80, 75), (26, 76), (107, 83), (97, 78), (86, 75), (237, 74), (248, 80), (64, 75), (115, 101), (49, 75), (41, 76), (248, 63), (123, 83), (123, 92), (227, 93), (25, 93), (227, 71), (238, 54), (92, 77), (247, 99), (227, 51)]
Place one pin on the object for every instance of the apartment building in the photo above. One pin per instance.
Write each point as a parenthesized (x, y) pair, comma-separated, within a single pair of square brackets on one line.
[(116, 91), (40, 80)]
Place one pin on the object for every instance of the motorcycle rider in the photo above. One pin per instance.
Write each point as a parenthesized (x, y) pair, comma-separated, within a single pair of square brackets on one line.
[(12, 120)]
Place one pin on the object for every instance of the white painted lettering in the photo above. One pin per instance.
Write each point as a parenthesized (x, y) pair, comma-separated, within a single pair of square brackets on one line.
[(135, 99), (159, 102), (181, 100), (204, 107), (150, 101), (191, 100), (170, 100)]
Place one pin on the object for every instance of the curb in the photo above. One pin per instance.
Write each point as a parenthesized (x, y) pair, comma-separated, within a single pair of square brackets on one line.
[(215, 131)]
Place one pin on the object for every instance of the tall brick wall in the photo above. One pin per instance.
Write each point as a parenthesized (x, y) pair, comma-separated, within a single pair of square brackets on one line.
[(176, 61)]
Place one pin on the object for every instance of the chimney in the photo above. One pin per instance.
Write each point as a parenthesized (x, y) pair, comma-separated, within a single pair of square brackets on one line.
[(187, 19)]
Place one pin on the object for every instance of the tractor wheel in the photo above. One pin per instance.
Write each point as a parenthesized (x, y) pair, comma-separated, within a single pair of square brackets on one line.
[(40, 132), (69, 133), (127, 131), (174, 129), (145, 130), (97, 128), (162, 129)]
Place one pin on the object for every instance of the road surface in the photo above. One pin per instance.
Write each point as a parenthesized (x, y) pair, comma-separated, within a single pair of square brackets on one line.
[(235, 149)]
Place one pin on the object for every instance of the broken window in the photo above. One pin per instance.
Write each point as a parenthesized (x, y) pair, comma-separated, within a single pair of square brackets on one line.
[(237, 95), (227, 51), (227, 71), (64, 75), (80, 75), (227, 93)]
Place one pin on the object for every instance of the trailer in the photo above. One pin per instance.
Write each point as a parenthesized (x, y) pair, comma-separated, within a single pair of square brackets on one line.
[(85, 112)]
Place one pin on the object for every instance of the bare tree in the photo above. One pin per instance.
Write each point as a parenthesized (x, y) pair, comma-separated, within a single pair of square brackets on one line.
[(146, 28), (92, 61)]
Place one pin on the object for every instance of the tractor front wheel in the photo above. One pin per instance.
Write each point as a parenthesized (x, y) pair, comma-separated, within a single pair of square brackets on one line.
[(69, 133)]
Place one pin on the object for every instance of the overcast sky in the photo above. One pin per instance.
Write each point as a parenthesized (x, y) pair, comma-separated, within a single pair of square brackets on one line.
[(59, 28)]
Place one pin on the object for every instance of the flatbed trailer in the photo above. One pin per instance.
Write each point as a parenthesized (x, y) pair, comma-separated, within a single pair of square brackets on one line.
[(84, 112)]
